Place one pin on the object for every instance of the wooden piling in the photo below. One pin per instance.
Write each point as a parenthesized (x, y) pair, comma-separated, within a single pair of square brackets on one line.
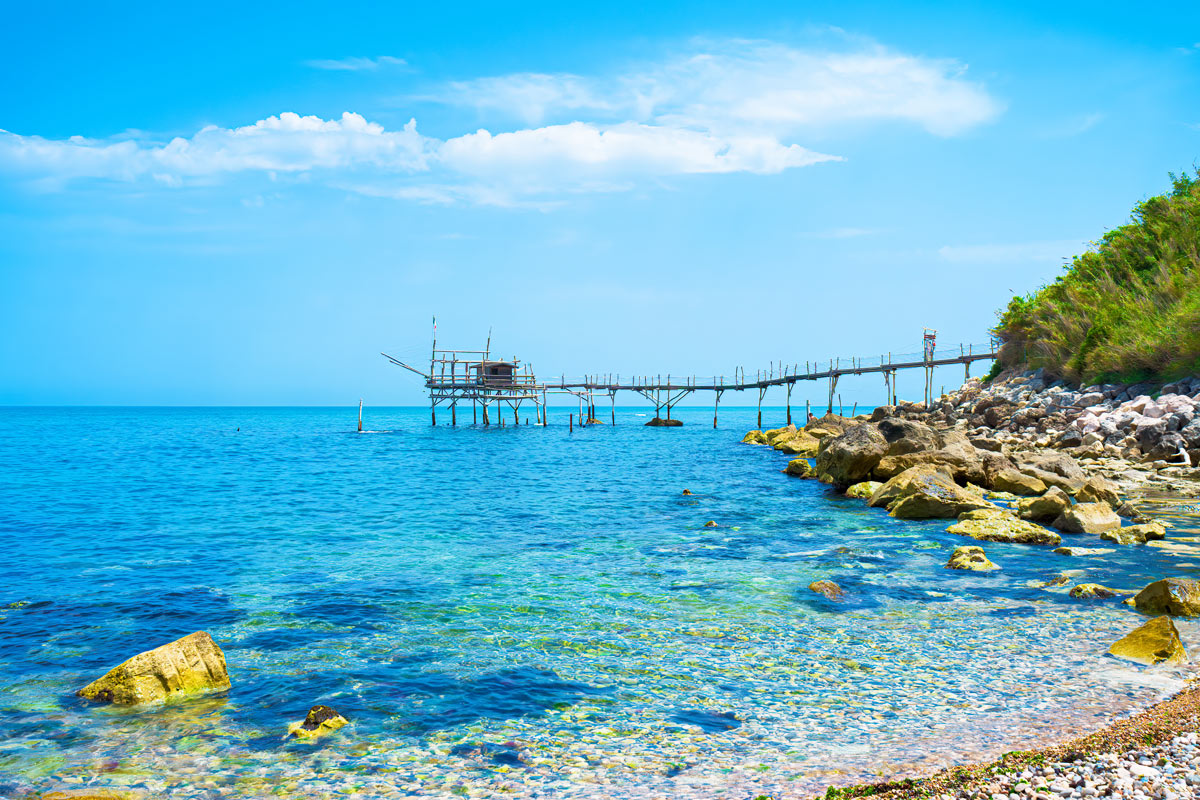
[(360, 415)]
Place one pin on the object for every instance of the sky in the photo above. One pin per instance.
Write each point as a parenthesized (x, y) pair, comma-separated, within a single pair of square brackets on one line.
[(243, 204)]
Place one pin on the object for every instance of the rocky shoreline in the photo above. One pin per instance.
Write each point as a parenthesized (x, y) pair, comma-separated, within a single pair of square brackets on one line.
[(1023, 459)]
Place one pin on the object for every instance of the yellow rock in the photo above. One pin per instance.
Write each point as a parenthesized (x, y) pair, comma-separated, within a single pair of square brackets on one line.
[(186, 666), (970, 558), (1095, 590), (863, 490), (828, 589), (754, 437), (319, 721), (800, 468), (1151, 643)]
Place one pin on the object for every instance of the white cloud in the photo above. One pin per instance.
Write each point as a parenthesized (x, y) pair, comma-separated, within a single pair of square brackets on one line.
[(1013, 252), (356, 64), (731, 107), (747, 84)]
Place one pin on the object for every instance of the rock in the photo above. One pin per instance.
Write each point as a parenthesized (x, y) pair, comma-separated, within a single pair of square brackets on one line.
[(710, 524), (1151, 643), (848, 458), (754, 437), (995, 525), (186, 666), (1083, 551), (1179, 597), (1088, 518), (659, 422), (906, 436), (827, 589), (319, 721), (863, 490), (86, 794), (960, 466), (800, 444), (970, 557), (926, 493), (778, 434), (1094, 590), (1099, 490), (1046, 508), (687, 492), (1010, 480), (1053, 469), (827, 426), (1136, 534), (986, 443), (800, 468)]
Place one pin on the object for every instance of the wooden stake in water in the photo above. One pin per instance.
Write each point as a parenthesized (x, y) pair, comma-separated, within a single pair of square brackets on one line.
[(360, 415)]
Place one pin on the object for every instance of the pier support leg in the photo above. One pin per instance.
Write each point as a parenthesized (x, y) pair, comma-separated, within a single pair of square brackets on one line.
[(612, 399), (453, 415), (807, 413), (474, 412), (433, 413), (762, 391), (716, 405), (789, 403), (360, 416)]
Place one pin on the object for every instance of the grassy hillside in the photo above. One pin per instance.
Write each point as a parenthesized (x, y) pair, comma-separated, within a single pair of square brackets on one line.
[(1128, 309)]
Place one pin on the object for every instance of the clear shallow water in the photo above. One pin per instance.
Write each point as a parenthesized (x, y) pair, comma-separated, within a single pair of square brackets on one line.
[(517, 612)]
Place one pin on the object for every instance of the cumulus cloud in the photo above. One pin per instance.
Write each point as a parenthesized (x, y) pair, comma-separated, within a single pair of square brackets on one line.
[(730, 107), (356, 64)]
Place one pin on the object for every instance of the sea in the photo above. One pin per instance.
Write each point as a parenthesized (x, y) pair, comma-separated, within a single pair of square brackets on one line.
[(519, 611)]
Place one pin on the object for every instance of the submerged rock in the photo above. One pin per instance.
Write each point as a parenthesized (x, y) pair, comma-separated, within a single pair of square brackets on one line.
[(1179, 597), (1046, 508), (828, 589), (1088, 518), (710, 524), (800, 468), (1083, 551), (863, 490), (970, 557), (1094, 590), (995, 525), (1153, 642), (1136, 534), (319, 721), (186, 666)]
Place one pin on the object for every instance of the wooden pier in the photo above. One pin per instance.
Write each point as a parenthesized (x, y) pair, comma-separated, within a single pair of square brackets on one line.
[(475, 376)]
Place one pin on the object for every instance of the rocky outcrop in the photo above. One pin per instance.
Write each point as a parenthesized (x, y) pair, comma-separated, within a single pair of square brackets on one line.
[(848, 458), (800, 468), (925, 492), (863, 490), (754, 437), (827, 589), (319, 721), (1178, 597), (1046, 508), (1136, 534), (659, 422), (970, 557), (1099, 490), (996, 525), (1153, 642), (1088, 518), (1017, 482), (186, 666)]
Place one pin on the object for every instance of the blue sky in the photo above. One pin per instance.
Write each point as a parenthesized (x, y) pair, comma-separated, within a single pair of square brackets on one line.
[(224, 204)]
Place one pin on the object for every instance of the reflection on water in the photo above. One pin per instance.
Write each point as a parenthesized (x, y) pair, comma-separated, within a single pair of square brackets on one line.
[(519, 611)]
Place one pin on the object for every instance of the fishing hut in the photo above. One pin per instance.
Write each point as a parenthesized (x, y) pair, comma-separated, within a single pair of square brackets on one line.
[(492, 386)]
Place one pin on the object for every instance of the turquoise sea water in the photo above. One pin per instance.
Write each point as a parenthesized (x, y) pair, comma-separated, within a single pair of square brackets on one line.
[(515, 612)]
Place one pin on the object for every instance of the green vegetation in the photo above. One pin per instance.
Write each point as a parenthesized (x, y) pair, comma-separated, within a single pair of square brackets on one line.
[(1128, 309)]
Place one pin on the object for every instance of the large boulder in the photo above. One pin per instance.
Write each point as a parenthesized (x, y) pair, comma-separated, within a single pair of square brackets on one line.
[(800, 468), (1088, 518), (1052, 469), (1099, 490), (827, 426), (1136, 534), (660, 422), (1151, 643), (798, 444), (907, 436), (970, 557), (189, 665), (925, 492), (1046, 508), (1016, 482), (776, 434), (996, 525), (754, 437), (849, 457), (1179, 597)]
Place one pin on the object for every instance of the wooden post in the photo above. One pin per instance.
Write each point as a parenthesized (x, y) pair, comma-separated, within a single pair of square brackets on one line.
[(454, 413), (360, 415), (807, 413), (516, 412), (761, 391), (789, 403), (545, 408), (716, 405), (841, 408), (854, 411), (572, 429), (612, 399), (433, 410)]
